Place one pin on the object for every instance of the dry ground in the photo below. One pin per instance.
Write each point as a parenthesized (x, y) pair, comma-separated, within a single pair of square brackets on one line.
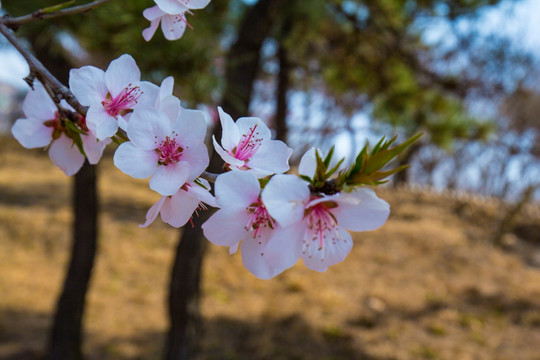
[(427, 285)]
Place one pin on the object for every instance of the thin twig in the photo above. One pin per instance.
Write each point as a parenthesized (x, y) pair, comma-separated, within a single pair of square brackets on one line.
[(39, 71), (13, 23)]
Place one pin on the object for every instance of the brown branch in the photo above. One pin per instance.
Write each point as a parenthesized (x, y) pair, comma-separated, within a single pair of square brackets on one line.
[(37, 70), (41, 14)]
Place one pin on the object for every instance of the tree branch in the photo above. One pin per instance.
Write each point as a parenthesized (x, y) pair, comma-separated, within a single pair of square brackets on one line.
[(43, 14), (37, 70)]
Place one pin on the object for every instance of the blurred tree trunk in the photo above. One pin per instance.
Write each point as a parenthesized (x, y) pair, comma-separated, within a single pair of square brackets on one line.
[(65, 338), (184, 290), (281, 96)]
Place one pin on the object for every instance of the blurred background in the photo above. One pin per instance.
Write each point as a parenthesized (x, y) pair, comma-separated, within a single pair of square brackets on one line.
[(454, 274)]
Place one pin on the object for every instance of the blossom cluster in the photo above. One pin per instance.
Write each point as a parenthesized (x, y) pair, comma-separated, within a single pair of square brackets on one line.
[(275, 218), (172, 16)]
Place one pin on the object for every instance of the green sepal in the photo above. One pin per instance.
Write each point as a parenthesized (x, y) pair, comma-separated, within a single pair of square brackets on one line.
[(384, 155)]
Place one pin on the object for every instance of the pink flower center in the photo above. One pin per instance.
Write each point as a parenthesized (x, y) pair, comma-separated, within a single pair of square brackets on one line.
[(248, 146), (260, 219), (181, 18), (321, 226), (169, 151), (123, 102)]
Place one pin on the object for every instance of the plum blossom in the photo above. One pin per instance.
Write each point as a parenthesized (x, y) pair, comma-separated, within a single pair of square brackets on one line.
[(171, 153), (242, 218), (246, 145), (313, 225), (111, 95), (171, 14), (45, 126), (176, 210)]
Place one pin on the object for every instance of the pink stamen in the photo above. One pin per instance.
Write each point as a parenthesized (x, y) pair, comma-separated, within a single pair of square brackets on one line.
[(321, 225), (260, 218), (248, 146), (169, 151), (123, 102), (180, 17)]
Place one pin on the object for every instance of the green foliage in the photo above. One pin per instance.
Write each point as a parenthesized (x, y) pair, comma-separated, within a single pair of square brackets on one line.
[(367, 167)]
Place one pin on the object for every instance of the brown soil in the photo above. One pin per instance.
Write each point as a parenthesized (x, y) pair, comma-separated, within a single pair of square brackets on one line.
[(429, 284)]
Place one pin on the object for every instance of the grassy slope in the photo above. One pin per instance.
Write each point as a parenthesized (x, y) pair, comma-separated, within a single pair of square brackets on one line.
[(427, 285)]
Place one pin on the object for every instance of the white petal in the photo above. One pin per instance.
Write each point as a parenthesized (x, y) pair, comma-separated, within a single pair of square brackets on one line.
[(190, 126), (37, 104), (153, 212), (167, 87), (229, 159), (147, 128), (248, 124), (308, 163), (65, 155), (150, 93), (255, 259), (153, 13), (272, 156), (170, 105), (197, 4), (226, 227), (285, 197), (169, 178), (202, 194), (361, 210), (236, 189), (31, 133), (285, 246), (231, 135), (121, 73), (93, 148), (173, 26), (135, 162), (178, 209), (100, 123), (197, 157), (171, 6), (88, 85), (331, 253)]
